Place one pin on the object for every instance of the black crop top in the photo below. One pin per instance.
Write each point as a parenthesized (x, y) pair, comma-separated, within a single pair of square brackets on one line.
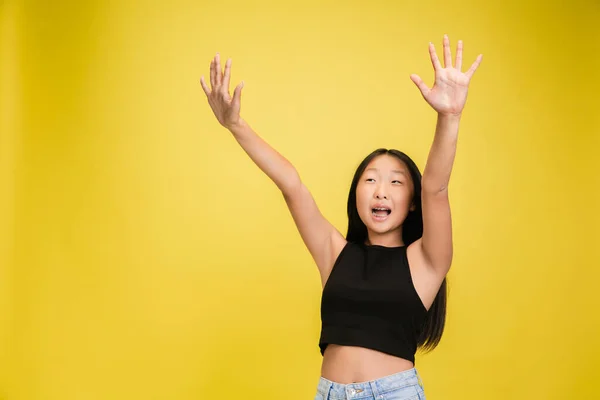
[(369, 301)]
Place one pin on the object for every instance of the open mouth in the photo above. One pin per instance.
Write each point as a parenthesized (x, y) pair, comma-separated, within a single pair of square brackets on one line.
[(381, 212)]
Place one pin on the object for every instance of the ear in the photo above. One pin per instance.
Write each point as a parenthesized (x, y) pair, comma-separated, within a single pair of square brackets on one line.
[(412, 207)]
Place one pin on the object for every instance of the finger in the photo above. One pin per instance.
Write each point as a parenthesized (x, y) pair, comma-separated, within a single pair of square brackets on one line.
[(420, 84), (474, 67), (204, 86), (227, 75), (434, 58), (447, 53), (237, 95), (219, 73), (459, 51), (212, 74)]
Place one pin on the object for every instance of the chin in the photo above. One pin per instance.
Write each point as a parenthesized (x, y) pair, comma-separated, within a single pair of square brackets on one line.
[(384, 226), (383, 229)]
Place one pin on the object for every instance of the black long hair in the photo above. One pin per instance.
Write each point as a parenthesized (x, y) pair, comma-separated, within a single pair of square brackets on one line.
[(432, 329)]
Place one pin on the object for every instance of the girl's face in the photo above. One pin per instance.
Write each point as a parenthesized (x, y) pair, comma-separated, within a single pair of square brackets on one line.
[(384, 197)]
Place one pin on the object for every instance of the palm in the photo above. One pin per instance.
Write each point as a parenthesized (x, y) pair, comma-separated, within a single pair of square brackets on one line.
[(225, 107), (449, 92)]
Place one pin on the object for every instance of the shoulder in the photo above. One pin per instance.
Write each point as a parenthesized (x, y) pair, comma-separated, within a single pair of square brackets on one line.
[(426, 280), (337, 246), (417, 259)]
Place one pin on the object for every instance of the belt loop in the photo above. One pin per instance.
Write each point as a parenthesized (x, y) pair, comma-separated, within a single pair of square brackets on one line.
[(328, 390), (375, 390), (419, 379)]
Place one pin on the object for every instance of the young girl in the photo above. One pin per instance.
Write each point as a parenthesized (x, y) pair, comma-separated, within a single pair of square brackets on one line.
[(384, 284)]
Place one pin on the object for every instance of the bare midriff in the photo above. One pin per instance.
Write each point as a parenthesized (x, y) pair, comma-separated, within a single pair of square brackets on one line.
[(351, 364)]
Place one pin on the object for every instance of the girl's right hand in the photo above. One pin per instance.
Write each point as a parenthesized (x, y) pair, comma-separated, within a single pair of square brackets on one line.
[(225, 107)]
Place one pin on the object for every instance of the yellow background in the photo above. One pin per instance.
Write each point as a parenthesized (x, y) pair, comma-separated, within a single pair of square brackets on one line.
[(144, 256)]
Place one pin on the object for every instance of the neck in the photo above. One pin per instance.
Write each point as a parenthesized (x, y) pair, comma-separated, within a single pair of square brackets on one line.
[(389, 239)]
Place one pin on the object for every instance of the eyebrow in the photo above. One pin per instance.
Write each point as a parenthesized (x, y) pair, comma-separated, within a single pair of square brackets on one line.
[(397, 171)]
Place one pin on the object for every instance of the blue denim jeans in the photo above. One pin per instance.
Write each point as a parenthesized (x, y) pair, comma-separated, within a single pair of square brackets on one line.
[(405, 385)]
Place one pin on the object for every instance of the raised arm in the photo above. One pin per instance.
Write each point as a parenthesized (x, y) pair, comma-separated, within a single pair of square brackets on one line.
[(448, 97), (319, 236)]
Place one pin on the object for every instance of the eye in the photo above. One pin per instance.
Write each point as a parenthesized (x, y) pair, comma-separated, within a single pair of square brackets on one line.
[(397, 182), (369, 179)]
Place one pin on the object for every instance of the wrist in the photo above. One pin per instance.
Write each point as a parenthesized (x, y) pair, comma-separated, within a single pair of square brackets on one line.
[(237, 127), (447, 125), (450, 117)]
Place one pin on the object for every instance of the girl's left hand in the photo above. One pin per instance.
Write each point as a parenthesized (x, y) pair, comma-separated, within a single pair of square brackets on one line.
[(449, 93)]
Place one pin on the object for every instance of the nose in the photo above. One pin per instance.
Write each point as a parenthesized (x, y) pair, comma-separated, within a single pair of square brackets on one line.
[(380, 192)]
